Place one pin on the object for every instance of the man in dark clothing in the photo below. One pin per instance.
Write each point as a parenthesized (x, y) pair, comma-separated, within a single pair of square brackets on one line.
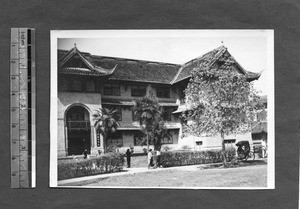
[(85, 152), (128, 157)]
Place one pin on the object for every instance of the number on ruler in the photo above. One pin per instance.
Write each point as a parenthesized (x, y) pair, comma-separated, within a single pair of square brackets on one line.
[(22, 38)]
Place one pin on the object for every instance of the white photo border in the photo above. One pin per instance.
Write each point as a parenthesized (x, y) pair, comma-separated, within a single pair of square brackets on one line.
[(57, 34)]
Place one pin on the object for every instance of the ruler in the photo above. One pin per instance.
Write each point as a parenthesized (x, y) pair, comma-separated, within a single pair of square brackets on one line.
[(22, 107)]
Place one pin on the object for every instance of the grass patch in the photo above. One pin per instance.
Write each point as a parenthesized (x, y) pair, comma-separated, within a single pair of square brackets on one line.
[(244, 176)]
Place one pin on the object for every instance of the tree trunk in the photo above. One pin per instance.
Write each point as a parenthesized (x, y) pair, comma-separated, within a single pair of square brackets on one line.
[(104, 145), (223, 150), (147, 142)]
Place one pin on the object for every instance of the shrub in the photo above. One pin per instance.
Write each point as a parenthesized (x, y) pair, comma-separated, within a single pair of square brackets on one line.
[(180, 158), (107, 163)]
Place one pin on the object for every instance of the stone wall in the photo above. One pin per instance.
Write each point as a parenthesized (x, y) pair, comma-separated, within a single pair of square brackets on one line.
[(213, 142)]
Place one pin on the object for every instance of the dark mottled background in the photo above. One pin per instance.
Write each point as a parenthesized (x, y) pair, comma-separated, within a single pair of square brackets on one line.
[(280, 15)]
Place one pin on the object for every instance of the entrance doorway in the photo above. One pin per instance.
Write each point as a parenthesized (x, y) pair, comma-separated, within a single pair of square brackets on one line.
[(78, 130)]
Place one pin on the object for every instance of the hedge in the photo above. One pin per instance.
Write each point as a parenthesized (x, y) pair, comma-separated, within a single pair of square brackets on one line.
[(107, 163), (180, 158)]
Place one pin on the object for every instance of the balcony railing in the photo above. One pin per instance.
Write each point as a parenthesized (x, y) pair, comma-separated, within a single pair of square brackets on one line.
[(78, 124)]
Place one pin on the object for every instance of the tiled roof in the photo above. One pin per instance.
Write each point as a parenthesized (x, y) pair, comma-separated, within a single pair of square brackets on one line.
[(126, 69), (136, 70), (186, 70), (90, 67), (139, 70)]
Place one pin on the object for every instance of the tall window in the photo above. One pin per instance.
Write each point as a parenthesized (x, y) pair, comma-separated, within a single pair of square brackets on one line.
[(112, 89), (135, 117), (115, 139), (163, 92), (167, 139), (139, 138), (138, 91), (167, 113), (181, 96)]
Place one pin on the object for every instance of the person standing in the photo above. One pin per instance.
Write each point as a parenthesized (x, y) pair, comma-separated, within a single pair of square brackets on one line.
[(263, 148), (85, 152), (158, 164), (150, 158), (128, 157)]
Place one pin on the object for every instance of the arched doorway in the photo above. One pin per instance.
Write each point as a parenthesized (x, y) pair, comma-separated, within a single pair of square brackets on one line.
[(78, 130)]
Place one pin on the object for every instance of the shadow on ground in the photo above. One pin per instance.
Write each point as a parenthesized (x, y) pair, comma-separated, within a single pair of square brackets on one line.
[(240, 163)]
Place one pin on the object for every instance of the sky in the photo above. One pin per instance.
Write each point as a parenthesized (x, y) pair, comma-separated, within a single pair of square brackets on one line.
[(253, 49)]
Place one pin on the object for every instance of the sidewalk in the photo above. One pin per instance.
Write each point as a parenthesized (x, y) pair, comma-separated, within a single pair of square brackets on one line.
[(131, 171)]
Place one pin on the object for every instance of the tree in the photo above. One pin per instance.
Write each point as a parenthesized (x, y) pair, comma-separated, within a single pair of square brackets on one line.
[(149, 113), (159, 132), (105, 123), (219, 99)]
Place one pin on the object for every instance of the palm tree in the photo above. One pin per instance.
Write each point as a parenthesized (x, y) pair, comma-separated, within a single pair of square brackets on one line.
[(148, 111), (159, 132), (105, 123)]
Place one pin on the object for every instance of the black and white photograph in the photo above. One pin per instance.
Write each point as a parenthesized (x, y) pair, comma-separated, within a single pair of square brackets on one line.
[(178, 109)]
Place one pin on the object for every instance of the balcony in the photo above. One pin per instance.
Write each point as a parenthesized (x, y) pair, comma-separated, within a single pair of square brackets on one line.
[(85, 124)]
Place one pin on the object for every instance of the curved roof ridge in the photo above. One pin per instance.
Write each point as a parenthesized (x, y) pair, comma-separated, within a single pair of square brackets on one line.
[(105, 71), (219, 51), (71, 53), (85, 59)]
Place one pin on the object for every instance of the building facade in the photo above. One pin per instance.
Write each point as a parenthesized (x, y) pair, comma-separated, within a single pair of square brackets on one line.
[(88, 82), (260, 124)]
